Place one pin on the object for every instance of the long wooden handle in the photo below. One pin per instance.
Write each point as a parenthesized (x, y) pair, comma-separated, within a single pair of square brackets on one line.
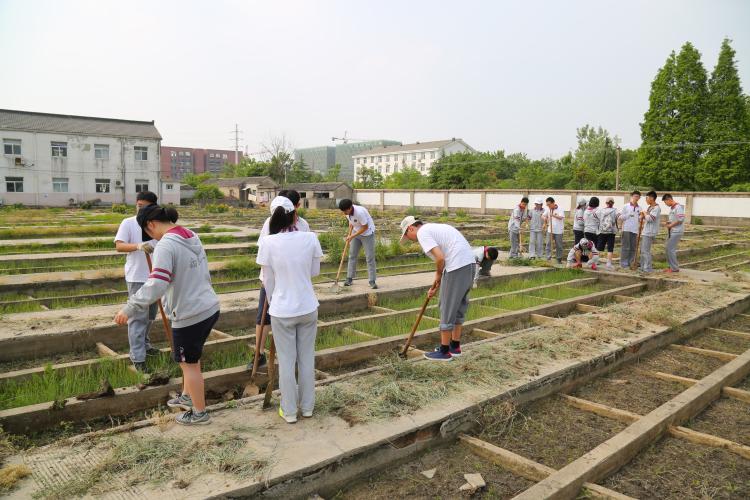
[(271, 374), (634, 264), (259, 338), (167, 326), (343, 254), (416, 325)]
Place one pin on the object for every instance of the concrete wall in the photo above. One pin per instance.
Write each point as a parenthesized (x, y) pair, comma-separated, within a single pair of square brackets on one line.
[(711, 208), (80, 167)]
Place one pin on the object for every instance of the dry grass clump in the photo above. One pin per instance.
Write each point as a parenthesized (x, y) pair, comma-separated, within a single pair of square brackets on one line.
[(11, 474), (155, 459)]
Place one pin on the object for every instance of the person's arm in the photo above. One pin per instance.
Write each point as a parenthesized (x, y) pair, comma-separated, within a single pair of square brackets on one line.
[(361, 231), (439, 258), (269, 281), (678, 219), (317, 255), (154, 289)]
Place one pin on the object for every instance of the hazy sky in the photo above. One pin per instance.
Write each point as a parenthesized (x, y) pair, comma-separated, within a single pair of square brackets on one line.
[(519, 76)]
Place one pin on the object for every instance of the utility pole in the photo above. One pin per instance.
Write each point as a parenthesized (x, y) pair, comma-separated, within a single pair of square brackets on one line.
[(617, 176), (236, 133)]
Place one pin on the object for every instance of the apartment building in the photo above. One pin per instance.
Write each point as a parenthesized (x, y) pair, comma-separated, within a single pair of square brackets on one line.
[(419, 155)]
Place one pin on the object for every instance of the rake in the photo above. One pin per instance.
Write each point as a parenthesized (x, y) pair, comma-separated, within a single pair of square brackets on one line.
[(336, 288), (252, 388), (416, 325), (167, 327)]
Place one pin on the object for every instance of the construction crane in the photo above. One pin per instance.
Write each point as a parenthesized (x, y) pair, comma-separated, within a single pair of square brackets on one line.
[(346, 138)]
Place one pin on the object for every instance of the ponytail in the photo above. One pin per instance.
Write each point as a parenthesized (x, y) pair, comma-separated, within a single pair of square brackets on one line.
[(281, 220)]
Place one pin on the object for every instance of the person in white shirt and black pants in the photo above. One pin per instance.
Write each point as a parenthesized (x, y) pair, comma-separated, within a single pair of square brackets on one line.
[(129, 240), (631, 222), (362, 233), (289, 260)]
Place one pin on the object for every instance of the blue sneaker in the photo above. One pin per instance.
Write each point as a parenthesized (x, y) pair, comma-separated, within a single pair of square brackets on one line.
[(438, 356), (454, 351)]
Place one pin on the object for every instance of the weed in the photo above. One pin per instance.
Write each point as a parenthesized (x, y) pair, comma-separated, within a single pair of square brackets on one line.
[(11, 474), (392, 325), (335, 336)]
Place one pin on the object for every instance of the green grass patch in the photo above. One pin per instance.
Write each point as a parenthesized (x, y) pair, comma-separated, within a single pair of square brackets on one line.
[(475, 311), (21, 307), (514, 302), (18, 233), (566, 292), (401, 304), (395, 325), (336, 336), (528, 281)]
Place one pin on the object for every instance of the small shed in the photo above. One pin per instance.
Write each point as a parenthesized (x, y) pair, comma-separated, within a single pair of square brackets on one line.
[(248, 190), (322, 194)]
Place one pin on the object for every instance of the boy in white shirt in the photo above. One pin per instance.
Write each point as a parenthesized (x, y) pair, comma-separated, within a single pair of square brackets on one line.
[(518, 216), (630, 216), (129, 240), (650, 218), (536, 224), (454, 277), (484, 257), (362, 233), (675, 229), (554, 225)]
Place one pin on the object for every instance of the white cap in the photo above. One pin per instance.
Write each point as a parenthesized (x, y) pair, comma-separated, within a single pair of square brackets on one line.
[(582, 200), (538, 201), (282, 201), (408, 221)]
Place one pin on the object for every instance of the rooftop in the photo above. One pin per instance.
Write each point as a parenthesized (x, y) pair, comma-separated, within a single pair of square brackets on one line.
[(417, 146), (315, 186), (262, 180), (72, 124)]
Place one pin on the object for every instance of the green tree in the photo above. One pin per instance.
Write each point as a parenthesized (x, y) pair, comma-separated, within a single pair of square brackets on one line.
[(195, 180), (247, 167), (727, 121), (368, 178), (208, 192), (408, 178), (470, 170), (333, 173), (300, 173)]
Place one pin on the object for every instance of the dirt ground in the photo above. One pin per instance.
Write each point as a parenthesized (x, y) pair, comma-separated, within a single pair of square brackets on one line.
[(745, 384), (684, 364), (727, 418), (452, 462), (51, 360), (627, 390), (738, 324), (720, 342), (673, 469), (550, 432)]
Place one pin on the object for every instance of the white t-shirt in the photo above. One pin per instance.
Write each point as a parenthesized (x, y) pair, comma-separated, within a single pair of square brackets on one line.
[(301, 225), (294, 258), (554, 225), (454, 246), (359, 217), (136, 267)]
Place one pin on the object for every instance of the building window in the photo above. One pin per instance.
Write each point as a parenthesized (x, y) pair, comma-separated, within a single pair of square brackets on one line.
[(303, 194), (101, 151), (14, 184), (60, 149), (173, 154), (12, 146), (60, 184), (387, 169), (102, 185), (141, 185), (423, 155), (170, 187), (141, 153), (432, 155), (414, 156), (325, 195), (224, 156)]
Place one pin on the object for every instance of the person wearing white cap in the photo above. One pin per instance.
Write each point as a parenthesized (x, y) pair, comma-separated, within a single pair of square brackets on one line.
[(630, 216), (578, 223), (289, 260), (536, 225), (454, 277)]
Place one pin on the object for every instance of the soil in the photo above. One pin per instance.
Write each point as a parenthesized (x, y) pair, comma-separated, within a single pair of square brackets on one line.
[(57, 359), (744, 384), (340, 370), (738, 324), (679, 470), (345, 315), (727, 418), (452, 462), (511, 327), (628, 390), (684, 364), (725, 342), (550, 432)]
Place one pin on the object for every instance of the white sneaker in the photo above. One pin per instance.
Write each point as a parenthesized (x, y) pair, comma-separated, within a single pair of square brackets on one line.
[(307, 414), (289, 419), (609, 266)]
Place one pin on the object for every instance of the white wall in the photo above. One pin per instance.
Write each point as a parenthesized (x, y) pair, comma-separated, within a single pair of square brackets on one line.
[(503, 201), (464, 200), (397, 198), (370, 199), (720, 207), (428, 199)]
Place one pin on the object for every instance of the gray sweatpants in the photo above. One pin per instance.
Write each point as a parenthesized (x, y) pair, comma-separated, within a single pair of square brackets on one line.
[(558, 238), (627, 252), (647, 260), (672, 242), (454, 296), (295, 346), (535, 243), (369, 243), (139, 325), (515, 243)]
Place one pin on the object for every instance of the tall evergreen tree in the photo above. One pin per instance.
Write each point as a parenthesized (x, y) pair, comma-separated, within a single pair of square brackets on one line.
[(726, 121)]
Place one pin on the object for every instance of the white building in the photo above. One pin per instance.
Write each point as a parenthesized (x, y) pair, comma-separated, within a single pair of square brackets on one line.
[(62, 160), (420, 155)]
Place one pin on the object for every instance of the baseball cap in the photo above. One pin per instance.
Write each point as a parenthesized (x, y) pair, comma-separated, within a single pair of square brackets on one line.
[(538, 200), (284, 202), (405, 223)]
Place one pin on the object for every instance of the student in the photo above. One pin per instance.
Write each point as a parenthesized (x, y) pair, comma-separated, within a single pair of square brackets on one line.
[(578, 222), (454, 273), (675, 230), (128, 240), (591, 220), (650, 218), (484, 258), (362, 229), (583, 254), (300, 224), (181, 276), (554, 225), (607, 230), (630, 218), (290, 259), (536, 223), (518, 216)]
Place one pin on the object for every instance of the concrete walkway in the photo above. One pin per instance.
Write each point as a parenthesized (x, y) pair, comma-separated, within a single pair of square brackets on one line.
[(103, 253), (79, 239)]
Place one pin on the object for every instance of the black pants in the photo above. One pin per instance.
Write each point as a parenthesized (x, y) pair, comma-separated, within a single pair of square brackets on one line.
[(577, 235), (592, 237)]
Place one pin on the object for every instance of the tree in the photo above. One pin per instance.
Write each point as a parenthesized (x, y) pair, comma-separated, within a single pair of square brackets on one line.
[(208, 192), (368, 178), (300, 173), (195, 180), (408, 178), (333, 173), (278, 152), (247, 167), (470, 170), (727, 121)]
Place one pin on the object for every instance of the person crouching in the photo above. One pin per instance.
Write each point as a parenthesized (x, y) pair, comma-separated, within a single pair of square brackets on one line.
[(583, 254)]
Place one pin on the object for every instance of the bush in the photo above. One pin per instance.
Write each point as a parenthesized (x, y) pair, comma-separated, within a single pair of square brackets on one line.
[(87, 205), (697, 221), (216, 208), (18, 206), (302, 212), (120, 209), (413, 211)]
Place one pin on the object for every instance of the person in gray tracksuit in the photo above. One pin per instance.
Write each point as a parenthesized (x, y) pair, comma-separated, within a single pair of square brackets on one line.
[(578, 219), (536, 226), (675, 228), (518, 216), (630, 218), (650, 218), (607, 229)]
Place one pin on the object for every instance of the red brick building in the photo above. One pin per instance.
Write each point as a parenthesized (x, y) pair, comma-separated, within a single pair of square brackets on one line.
[(177, 162)]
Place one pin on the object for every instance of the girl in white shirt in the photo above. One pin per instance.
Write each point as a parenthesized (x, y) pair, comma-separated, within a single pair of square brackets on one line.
[(289, 260)]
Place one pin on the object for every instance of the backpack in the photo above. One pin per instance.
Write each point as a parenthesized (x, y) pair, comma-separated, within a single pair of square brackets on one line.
[(607, 223)]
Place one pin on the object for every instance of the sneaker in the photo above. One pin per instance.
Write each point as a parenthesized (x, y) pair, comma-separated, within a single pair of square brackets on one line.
[(609, 266), (152, 351), (184, 402), (593, 267), (454, 352), (438, 356), (668, 270), (289, 419), (307, 413), (261, 362), (140, 366), (190, 417), (373, 285), (348, 283)]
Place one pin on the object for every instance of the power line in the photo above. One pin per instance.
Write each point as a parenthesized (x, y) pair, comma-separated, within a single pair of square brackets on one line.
[(236, 133)]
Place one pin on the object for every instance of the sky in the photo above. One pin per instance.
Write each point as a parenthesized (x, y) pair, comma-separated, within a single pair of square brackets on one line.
[(520, 76)]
